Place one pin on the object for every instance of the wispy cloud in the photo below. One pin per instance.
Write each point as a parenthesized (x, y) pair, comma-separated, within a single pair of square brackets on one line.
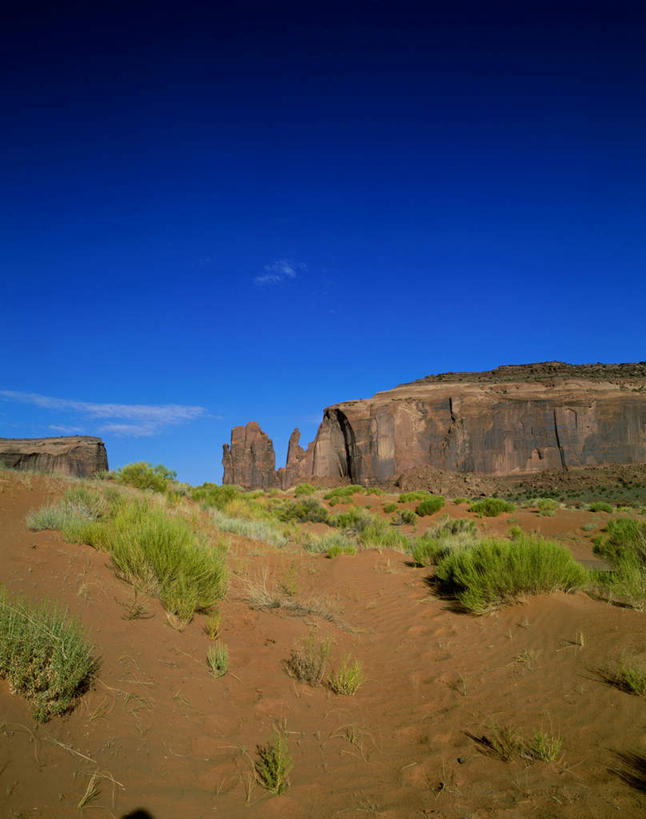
[(66, 430), (280, 271), (145, 419)]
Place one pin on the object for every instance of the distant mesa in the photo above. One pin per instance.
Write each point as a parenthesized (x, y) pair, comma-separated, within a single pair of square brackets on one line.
[(514, 420), (79, 455)]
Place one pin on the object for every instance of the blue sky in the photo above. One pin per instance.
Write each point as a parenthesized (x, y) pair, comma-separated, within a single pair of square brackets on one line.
[(212, 213)]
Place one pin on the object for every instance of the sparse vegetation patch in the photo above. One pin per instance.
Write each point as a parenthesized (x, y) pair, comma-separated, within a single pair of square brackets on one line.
[(491, 507), (44, 655)]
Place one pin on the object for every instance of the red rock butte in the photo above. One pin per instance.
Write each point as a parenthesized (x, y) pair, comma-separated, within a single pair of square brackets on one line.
[(78, 455), (514, 420)]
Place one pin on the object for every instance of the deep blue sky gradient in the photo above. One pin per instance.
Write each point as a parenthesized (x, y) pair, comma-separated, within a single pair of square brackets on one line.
[(454, 186)]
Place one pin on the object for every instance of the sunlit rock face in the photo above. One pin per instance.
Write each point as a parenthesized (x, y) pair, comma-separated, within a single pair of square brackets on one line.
[(250, 461), (510, 421), (79, 455)]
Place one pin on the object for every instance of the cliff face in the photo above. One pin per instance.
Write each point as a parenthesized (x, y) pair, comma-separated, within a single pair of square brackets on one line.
[(80, 455), (510, 421)]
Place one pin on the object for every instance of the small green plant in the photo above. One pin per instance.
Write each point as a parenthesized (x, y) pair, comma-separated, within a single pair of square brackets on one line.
[(344, 493), (306, 509), (491, 507), (44, 655), (348, 678), (213, 625), (374, 490), (629, 675), (547, 507), (430, 506), (273, 763), (288, 584), (389, 508), (459, 501), (502, 740), (308, 662), (324, 543), (336, 550), (217, 658), (304, 489), (267, 531), (544, 748), (515, 532)]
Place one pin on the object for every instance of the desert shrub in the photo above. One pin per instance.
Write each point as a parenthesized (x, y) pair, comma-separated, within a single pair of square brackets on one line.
[(273, 763), (417, 495), (337, 549), (448, 536), (624, 546), (405, 517), (142, 475), (389, 508), (601, 506), (543, 747), (211, 494), (343, 493), (491, 507), (263, 530), (217, 659), (495, 572), (547, 507), (374, 490), (44, 655), (459, 501), (348, 678), (354, 519), (308, 662), (379, 535), (505, 742), (304, 510), (326, 543), (165, 557), (430, 506), (304, 489), (75, 514)]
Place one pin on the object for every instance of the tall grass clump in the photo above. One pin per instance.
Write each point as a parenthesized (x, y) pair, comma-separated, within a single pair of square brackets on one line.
[(491, 507), (343, 494), (450, 535), (417, 495), (302, 511), (335, 541), (214, 495), (44, 655), (377, 534), (547, 506), (75, 514), (263, 530), (624, 546), (304, 489), (495, 572), (165, 557)]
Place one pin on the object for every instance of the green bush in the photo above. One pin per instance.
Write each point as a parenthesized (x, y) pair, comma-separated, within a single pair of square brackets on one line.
[(274, 763), (547, 507), (142, 475), (448, 536), (335, 540), (404, 518), (494, 572), (379, 535), (344, 493), (430, 506), (304, 489), (165, 557), (304, 510), (491, 507), (459, 501), (389, 508), (75, 515), (44, 655), (211, 494), (601, 506), (354, 519), (417, 495), (374, 490)]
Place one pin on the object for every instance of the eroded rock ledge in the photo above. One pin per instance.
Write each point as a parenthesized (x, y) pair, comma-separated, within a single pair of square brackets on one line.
[(515, 420), (79, 455)]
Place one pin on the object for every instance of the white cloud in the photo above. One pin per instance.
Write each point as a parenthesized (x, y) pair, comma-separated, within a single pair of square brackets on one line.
[(280, 271), (66, 430), (148, 419)]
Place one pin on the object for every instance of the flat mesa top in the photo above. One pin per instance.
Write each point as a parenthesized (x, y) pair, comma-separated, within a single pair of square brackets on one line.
[(540, 371), (59, 439)]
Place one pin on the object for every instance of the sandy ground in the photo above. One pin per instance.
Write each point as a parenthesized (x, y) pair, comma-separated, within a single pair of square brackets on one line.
[(163, 735)]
